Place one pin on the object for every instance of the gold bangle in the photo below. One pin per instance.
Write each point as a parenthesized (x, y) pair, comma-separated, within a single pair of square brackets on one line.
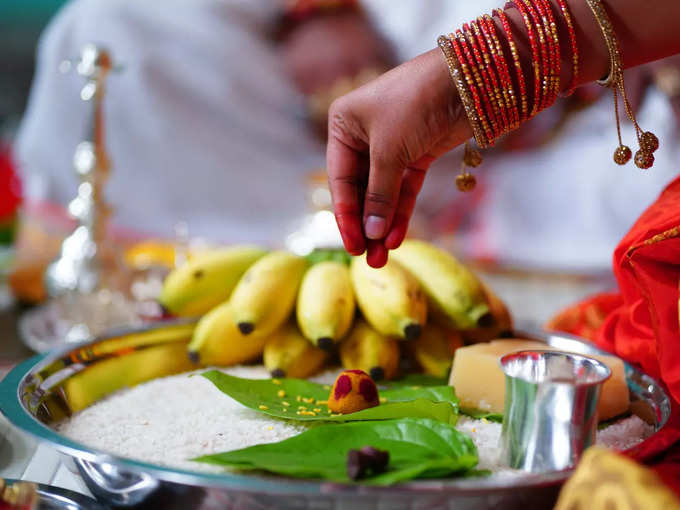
[(615, 64), (446, 46)]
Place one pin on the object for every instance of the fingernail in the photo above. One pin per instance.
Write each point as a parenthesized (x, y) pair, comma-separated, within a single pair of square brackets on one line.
[(375, 226)]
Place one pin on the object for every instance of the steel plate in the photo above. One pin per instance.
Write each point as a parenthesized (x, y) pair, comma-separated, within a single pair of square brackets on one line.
[(50, 387)]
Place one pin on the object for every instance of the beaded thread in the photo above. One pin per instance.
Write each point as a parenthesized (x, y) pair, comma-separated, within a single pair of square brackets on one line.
[(647, 141)]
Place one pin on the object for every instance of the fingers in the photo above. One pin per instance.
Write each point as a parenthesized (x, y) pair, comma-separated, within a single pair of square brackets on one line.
[(382, 193), (345, 185), (410, 187), (376, 253)]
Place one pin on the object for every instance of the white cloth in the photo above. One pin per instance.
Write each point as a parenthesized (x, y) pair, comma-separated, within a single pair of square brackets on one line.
[(203, 127), (567, 205)]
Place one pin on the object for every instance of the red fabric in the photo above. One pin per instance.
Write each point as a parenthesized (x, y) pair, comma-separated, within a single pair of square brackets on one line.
[(300, 9), (10, 187), (645, 329), (641, 324)]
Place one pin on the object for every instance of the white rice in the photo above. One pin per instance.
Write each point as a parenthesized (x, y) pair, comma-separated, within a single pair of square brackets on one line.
[(171, 420)]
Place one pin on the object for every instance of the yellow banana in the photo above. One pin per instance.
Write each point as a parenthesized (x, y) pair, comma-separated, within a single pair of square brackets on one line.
[(366, 349), (496, 324), (265, 296), (206, 280), (453, 290), (289, 354), (434, 349), (218, 341), (390, 298), (325, 304)]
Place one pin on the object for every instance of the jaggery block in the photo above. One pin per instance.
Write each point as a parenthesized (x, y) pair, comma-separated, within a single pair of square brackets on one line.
[(480, 383)]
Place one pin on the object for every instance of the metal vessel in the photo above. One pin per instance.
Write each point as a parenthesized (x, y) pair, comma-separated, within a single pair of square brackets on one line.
[(550, 400), (48, 388), (78, 266)]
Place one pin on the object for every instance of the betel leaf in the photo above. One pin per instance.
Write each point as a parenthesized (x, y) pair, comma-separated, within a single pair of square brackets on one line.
[(297, 399), (482, 415), (417, 380), (434, 393), (418, 448)]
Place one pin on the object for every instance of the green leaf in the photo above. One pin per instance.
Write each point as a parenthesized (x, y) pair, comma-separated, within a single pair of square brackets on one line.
[(433, 393), (270, 396), (482, 415), (417, 380), (419, 448)]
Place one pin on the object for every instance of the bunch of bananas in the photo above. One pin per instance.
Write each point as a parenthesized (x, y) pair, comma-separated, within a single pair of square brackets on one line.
[(297, 312)]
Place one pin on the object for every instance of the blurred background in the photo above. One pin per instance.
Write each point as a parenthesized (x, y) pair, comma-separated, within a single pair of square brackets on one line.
[(20, 26), (209, 129)]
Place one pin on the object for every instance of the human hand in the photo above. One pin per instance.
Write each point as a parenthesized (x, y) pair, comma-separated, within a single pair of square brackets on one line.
[(328, 47), (382, 139)]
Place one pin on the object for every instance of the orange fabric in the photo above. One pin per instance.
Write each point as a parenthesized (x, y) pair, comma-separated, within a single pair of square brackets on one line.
[(585, 319)]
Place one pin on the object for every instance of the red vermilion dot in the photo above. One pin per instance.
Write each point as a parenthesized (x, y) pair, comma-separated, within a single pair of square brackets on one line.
[(342, 387), (358, 372), (368, 390)]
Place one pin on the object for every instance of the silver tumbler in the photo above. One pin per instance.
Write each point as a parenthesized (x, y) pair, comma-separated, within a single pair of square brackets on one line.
[(550, 408)]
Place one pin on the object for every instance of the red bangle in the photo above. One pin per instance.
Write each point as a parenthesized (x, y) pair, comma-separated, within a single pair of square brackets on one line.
[(481, 77), (553, 60), (477, 80), (488, 50), (536, 58), (546, 54), (456, 42), (489, 28), (545, 9), (521, 82), (574, 46), (484, 63), (547, 51)]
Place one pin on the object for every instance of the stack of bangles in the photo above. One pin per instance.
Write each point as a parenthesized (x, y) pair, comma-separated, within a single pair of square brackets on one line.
[(483, 75), (482, 57)]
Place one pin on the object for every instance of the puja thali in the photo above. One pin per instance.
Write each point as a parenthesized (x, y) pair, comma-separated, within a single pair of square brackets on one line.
[(48, 388)]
